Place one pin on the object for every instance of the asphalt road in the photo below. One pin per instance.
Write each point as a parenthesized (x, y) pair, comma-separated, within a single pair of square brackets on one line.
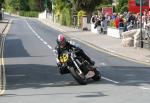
[(32, 75)]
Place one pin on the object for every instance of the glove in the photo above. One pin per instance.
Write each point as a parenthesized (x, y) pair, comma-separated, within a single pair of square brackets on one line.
[(59, 64)]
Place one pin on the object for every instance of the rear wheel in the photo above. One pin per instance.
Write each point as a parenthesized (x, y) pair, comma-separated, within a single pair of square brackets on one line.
[(80, 78)]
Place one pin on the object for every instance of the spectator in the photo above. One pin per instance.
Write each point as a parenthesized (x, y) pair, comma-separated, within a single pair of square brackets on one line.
[(117, 22), (121, 25), (104, 25)]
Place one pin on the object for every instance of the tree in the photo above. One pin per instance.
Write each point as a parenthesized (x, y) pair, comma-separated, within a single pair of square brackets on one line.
[(12, 4), (24, 5), (1, 1), (33, 5), (121, 4), (87, 5)]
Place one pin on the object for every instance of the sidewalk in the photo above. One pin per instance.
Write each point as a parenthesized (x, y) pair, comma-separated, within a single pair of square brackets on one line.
[(103, 43), (3, 25)]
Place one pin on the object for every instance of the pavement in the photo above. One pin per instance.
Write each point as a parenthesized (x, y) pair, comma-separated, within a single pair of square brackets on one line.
[(3, 25), (103, 43)]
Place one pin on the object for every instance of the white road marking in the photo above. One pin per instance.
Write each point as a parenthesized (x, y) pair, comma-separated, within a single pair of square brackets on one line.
[(41, 39), (144, 88), (38, 35), (45, 42), (110, 80), (49, 46)]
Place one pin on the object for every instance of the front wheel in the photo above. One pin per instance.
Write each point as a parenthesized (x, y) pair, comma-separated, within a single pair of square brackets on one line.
[(80, 78), (97, 75)]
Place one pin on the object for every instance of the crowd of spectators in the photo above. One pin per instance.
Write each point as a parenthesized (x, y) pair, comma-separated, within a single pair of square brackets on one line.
[(123, 22)]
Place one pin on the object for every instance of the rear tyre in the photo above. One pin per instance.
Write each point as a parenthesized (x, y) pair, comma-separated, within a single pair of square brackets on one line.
[(80, 78)]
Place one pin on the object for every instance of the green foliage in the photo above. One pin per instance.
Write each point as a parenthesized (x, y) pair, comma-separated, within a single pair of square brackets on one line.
[(62, 11), (29, 13), (24, 5), (65, 8), (11, 5), (49, 5), (124, 9), (33, 5), (122, 4), (1, 1), (66, 17), (86, 5)]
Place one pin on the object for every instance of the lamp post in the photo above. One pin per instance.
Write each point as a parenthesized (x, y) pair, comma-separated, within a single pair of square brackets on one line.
[(141, 39)]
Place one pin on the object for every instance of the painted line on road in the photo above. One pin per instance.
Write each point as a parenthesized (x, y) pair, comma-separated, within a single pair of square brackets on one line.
[(37, 35), (41, 39), (110, 80), (45, 42), (144, 88), (49, 46)]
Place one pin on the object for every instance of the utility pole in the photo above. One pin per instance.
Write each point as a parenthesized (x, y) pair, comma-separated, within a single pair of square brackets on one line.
[(141, 39)]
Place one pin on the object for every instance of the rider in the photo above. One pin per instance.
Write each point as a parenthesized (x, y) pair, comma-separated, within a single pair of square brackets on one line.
[(63, 44)]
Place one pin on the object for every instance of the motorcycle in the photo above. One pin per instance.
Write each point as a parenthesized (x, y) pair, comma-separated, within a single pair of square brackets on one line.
[(78, 67)]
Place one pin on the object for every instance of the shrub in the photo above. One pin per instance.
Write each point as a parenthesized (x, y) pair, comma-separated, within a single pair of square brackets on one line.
[(29, 13), (65, 17)]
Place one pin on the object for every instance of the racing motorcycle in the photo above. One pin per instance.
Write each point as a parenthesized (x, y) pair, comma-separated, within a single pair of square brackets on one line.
[(78, 67)]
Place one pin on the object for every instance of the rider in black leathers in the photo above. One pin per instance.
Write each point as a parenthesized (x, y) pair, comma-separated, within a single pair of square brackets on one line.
[(63, 44)]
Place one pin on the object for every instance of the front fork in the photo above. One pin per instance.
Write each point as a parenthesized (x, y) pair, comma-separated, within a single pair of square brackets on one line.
[(78, 68)]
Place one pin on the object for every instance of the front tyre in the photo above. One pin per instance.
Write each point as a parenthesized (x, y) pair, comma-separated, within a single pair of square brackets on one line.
[(97, 75), (80, 78)]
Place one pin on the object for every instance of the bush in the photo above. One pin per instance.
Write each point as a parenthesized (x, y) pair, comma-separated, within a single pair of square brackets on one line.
[(29, 13), (65, 17)]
